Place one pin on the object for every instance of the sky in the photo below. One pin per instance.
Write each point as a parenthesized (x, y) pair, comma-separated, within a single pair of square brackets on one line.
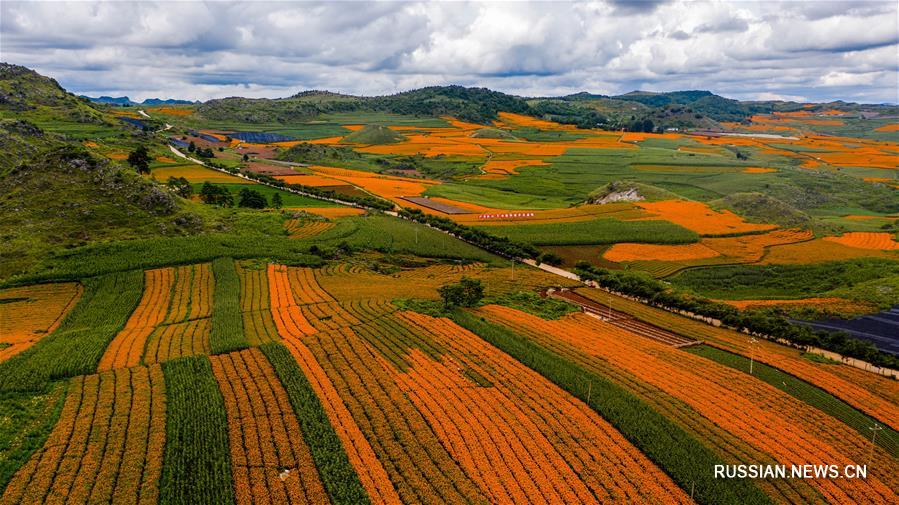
[(792, 50)]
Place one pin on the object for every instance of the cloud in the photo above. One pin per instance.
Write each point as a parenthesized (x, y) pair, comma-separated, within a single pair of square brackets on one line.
[(814, 50)]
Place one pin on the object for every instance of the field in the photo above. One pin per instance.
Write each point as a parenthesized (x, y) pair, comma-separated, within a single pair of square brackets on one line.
[(430, 341)]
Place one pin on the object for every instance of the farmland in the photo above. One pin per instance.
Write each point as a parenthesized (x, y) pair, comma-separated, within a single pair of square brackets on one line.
[(351, 300)]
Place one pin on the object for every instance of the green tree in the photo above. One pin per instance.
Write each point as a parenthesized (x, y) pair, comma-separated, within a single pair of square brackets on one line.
[(251, 198), (466, 293), (139, 159), (277, 201), (180, 186), (246, 157), (191, 147), (216, 195)]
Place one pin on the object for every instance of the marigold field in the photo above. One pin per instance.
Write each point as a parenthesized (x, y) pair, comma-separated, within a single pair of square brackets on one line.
[(341, 391)]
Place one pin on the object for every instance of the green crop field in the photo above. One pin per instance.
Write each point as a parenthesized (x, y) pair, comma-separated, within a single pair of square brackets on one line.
[(597, 231)]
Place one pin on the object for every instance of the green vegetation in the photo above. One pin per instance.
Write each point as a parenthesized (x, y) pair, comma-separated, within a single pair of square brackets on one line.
[(334, 468), (597, 231), (373, 134), (761, 208), (783, 281), (25, 423), (681, 456), (532, 303), (288, 199), (197, 458), (77, 345), (466, 293), (629, 191), (888, 438), (767, 323), (227, 324), (493, 133)]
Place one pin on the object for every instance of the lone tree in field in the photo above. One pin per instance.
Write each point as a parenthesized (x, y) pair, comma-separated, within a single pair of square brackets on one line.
[(277, 201), (251, 198), (466, 293), (139, 159), (180, 186), (216, 195)]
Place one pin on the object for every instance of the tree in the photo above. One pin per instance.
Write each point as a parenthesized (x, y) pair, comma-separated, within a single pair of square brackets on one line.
[(277, 202), (216, 195), (251, 198), (180, 186), (466, 293), (550, 259), (246, 157), (139, 159), (191, 147)]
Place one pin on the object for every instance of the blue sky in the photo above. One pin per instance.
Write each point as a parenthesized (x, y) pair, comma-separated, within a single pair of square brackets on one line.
[(801, 50)]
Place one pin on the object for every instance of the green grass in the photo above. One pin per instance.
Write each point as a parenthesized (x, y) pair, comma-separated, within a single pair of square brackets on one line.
[(784, 281), (334, 468), (227, 324), (259, 236), (383, 118), (289, 199), (76, 346), (597, 231), (533, 303), (25, 423), (888, 438), (678, 454), (197, 467)]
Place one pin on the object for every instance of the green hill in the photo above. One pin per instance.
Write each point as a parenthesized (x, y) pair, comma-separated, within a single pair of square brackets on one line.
[(761, 208), (493, 133), (373, 134)]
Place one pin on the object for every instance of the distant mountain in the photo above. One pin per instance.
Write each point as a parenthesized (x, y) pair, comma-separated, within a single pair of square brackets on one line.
[(125, 101)]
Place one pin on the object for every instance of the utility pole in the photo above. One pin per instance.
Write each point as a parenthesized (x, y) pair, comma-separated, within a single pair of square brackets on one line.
[(752, 342), (874, 429)]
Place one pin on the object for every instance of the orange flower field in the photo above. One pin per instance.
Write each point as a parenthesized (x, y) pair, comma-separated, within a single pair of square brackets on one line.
[(633, 252), (700, 218), (106, 447), (29, 313), (304, 228), (270, 461), (768, 420), (867, 240)]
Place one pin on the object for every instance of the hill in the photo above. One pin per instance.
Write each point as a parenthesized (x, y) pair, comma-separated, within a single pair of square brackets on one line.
[(373, 134)]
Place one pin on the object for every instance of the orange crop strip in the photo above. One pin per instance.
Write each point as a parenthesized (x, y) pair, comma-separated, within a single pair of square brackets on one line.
[(879, 241), (750, 248), (643, 252), (332, 212), (255, 309), (178, 340), (32, 313), (875, 395), (288, 318), (270, 460), (523, 438), (106, 447), (766, 418), (700, 218), (821, 249), (304, 228), (128, 345)]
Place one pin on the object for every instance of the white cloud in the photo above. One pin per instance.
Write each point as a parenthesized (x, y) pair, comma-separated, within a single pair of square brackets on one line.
[(817, 50)]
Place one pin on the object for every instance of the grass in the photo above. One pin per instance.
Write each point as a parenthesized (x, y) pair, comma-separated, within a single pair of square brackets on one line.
[(784, 281), (252, 235), (289, 199), (227, 324), (25, 423), (597, 231), (77, 345), (888, 438), (678, 454), (334, 468), (533, 303), (197, 467)]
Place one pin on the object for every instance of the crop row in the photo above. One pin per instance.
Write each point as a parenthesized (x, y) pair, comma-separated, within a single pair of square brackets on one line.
[(521, 437), (302, 228), (197, 455), (769, 421), (105, 448), (227, 332), (667, 444), (75, 348), (255, 308), (270, 459), (28, 420), (869, 393)]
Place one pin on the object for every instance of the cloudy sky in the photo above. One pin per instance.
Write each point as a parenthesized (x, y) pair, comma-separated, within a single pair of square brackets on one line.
[(802, 50)]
